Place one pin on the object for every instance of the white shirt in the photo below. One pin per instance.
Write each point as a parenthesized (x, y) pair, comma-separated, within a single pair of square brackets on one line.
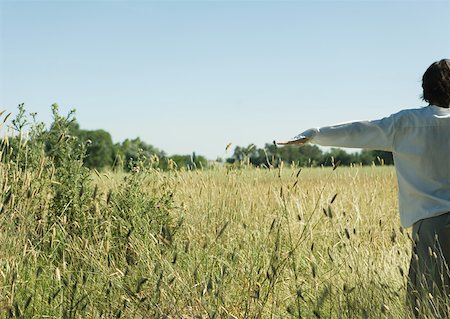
[(420, 142)]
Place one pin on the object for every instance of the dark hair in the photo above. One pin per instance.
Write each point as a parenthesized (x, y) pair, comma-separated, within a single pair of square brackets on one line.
[(436, 83)]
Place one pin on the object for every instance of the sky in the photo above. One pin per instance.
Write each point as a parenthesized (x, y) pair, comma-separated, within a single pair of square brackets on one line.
[(193, 76)]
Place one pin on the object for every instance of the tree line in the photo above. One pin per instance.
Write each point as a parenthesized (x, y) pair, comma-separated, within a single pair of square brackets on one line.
[(306, 155), (102, 153)]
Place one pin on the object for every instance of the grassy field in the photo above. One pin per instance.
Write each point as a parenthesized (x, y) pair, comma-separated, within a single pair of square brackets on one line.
[(216, 243), (315, 243), (222, 242)]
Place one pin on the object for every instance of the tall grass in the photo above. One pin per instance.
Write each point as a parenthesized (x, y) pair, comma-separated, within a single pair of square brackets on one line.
[(216, 243), (322, 243)]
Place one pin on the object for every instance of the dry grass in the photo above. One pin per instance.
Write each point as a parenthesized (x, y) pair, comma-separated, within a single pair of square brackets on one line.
[(324, 243), (217, 243)]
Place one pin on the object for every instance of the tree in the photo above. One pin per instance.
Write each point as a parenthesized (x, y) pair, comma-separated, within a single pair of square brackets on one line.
[(306, 155), (242, 154), (135, 149), (366, 157), (336, 155), (189, 161), (100, 149), (271, 155), (383, 157)]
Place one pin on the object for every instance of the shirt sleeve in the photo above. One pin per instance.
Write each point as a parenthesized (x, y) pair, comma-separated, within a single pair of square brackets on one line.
[(377, 134)]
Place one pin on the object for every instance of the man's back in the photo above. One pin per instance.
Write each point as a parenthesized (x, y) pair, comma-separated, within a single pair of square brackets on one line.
[(421, 149)]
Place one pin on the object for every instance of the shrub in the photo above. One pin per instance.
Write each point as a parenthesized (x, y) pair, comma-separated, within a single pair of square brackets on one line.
[(75, 248)]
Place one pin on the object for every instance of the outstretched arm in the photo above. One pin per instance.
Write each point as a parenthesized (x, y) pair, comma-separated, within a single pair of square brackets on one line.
[(378, 134)]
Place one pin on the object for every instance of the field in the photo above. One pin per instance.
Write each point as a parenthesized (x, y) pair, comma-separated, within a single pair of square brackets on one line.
[(323, 243), (222, 242), (217, 242)]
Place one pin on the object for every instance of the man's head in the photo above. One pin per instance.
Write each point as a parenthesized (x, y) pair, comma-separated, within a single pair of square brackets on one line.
[(436, 83)]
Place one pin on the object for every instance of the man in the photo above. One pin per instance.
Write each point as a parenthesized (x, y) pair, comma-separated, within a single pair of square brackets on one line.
[(420, 142)]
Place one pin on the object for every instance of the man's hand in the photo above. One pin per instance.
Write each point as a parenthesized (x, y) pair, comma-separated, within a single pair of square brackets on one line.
[(299, 141)]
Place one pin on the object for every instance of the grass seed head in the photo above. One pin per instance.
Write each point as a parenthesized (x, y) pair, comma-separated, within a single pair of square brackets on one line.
[(347, 234), (333, 199)]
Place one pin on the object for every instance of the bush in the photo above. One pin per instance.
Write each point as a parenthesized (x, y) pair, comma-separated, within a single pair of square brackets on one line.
[(76, 249)]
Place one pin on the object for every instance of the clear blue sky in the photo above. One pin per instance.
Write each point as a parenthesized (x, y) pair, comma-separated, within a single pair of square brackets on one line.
[(194, 76)]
